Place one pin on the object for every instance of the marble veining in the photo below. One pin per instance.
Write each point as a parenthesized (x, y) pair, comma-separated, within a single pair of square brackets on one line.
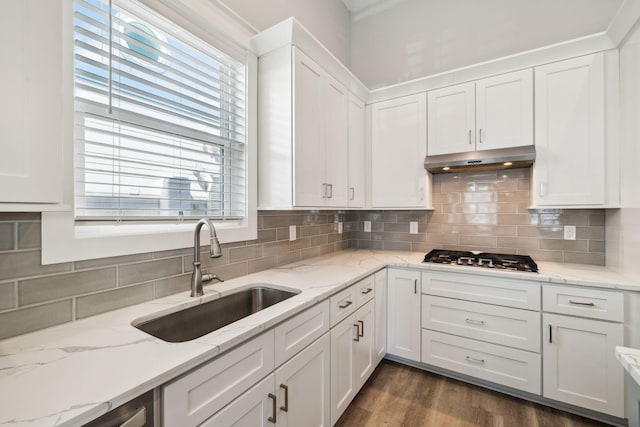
[(630, 360), (72, 373)]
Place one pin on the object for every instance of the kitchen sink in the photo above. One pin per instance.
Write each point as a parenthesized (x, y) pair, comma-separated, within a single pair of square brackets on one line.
[(199, 320)]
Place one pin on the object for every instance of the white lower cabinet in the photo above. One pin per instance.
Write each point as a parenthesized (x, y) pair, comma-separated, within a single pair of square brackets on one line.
[(502, 365), (297, 394), (579, 363), (403, 315), (303, 387), (352, 357), (380, 304), (255, 408), (194, 397)]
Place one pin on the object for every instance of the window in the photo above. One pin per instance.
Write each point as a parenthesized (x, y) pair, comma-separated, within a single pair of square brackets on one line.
[(160, 119)]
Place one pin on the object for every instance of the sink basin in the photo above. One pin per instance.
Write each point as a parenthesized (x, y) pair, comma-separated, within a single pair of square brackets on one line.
[(199, 320)]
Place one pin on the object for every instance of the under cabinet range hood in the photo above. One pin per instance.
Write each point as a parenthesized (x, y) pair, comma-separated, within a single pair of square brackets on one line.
[(502, 158)]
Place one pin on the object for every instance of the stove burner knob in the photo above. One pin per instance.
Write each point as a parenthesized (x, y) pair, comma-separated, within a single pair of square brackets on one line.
[(459, 261), (469, 261)]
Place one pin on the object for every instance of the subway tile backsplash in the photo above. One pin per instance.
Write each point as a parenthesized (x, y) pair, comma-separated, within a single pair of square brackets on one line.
[(480, 211), (486, 211)]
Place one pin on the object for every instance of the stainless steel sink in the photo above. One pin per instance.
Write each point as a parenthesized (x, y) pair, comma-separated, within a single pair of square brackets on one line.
[(199, 320)]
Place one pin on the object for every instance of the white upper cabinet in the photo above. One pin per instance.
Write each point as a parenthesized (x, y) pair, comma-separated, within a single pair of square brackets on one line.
[(356, 193), (398, 148), (496, 112), (320, 135), (452, 123), (31, 115), (570, 133), (504, 110), (311, 123)]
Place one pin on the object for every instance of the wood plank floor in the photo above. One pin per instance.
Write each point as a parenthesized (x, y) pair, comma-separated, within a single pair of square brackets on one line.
[(398, 395)]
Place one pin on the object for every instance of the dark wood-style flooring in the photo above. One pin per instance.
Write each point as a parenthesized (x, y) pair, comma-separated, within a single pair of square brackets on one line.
[(397, 395)]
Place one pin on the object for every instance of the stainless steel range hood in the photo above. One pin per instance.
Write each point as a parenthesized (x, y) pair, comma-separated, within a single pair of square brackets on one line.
[(503, 158)]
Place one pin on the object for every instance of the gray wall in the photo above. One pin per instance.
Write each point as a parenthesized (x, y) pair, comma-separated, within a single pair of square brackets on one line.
[(486, 211)]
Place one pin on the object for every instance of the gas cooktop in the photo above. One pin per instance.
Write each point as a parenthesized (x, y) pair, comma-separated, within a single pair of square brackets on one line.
[(482, 260)]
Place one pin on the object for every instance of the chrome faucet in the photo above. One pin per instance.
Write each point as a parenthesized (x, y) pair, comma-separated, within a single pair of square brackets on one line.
[(215, 251)]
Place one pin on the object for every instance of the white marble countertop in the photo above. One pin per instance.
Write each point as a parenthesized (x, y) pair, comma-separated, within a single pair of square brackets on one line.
[(630, 360), (73, 373)]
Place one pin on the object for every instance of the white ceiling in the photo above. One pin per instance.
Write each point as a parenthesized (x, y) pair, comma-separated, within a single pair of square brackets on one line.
[(398, 40)]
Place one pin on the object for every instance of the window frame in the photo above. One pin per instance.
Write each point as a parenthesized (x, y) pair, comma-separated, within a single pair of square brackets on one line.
[(64, 239)]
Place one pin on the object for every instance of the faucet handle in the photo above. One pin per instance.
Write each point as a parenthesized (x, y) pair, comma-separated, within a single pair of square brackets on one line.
[(207, 277)]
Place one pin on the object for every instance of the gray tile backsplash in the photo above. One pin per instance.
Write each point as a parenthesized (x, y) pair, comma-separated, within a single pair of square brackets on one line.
[(485, 211), (33, 296)]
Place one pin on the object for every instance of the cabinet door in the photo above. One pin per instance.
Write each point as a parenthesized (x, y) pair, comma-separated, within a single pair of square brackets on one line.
[(364, 355), (579, 363), (255, 408), (398, 148), (31, 113), (343, 379), (504, 110), (309, 150), (303, 386), (335, 140), (356, 153), (570, 133), (451, 125), (403, 316), (380, 304)]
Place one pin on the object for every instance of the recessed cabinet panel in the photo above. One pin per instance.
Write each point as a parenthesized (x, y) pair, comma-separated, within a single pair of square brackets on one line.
[(398, 148), (309, 151), (570, 132), (504, 110), (31, 113), (356, 156), (580, 367), (303, 387), (452, 119), (403, 316)]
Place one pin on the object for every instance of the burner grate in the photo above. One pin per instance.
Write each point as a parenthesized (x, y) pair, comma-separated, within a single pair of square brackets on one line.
[(482, 260)]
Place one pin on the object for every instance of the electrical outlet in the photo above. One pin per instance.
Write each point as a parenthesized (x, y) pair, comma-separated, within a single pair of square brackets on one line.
[(367, 226), (292, 233), (413, 227), (339, 228), (569, 232)]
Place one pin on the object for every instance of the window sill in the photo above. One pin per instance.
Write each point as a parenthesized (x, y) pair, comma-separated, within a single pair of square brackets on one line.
[(64, 241)]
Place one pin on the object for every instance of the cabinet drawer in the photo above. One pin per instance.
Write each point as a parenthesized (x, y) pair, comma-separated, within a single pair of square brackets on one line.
[(507, 366), (297, 333), (594, 303), (490, 290), (365, 290), (349, 300), (194, 397), (499, 325)]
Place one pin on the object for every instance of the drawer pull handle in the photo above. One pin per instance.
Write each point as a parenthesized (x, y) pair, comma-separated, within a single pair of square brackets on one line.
[(415, 286), (273, 419), (285, 407), (357, 338), (474, 360), (550, 333), (345, 305), (361, 330), (365, 291), (588, 304), (474, 322)]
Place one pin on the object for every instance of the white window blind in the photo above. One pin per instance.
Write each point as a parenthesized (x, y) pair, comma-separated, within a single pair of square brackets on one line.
[(160, 118)]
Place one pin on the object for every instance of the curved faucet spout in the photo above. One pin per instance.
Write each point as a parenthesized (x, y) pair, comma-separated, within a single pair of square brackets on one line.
[(214, 250)]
